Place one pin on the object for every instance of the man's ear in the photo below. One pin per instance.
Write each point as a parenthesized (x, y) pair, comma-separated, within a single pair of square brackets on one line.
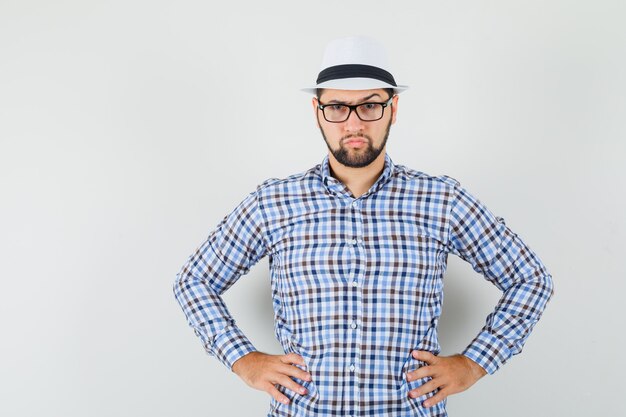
[(394, 108), (315, 102)]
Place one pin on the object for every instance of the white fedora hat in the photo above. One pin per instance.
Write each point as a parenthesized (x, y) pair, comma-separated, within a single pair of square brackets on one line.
[(355, 63)]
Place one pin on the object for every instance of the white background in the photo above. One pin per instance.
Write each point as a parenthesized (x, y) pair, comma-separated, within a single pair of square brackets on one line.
[(128, 129)]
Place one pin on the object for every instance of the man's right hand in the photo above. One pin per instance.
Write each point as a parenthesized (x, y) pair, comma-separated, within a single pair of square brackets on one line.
[(262, 371)]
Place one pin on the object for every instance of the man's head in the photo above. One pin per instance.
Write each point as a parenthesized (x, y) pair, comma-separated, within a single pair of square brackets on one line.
[(355, 72), (355, 136)]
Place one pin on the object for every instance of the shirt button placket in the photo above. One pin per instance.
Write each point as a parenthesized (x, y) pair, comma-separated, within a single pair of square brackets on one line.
[(358, 276)]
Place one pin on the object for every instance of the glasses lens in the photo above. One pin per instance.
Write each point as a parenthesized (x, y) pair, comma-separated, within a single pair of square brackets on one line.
[(370, 111), (336, 112)]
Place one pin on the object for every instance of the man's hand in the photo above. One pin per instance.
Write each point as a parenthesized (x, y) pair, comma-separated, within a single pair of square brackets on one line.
[(451, 374), (262, 371)]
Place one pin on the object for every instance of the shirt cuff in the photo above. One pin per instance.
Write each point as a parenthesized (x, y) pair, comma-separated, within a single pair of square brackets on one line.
[(231, 345), (488, 351)]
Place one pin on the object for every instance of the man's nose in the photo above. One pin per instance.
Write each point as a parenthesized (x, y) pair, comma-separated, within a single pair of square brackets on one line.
[(353, 123)]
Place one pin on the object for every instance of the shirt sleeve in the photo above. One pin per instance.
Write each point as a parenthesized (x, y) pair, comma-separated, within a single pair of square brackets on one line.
[(231, 249), (496, 252)]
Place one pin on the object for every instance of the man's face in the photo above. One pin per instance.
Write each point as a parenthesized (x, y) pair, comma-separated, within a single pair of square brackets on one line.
[(356, 143)]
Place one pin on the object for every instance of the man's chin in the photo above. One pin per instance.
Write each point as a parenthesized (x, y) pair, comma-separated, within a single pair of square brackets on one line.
[(352, 161)]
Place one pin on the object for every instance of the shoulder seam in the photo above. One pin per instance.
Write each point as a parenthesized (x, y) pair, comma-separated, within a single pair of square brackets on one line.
[(412, 173), (291, 178)]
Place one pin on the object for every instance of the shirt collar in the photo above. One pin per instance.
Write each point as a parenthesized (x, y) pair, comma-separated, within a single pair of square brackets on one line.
[(337, 187)]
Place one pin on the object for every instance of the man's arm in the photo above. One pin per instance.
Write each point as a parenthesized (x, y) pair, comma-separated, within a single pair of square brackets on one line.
[(496, 252), (493, 250), (230, 250)]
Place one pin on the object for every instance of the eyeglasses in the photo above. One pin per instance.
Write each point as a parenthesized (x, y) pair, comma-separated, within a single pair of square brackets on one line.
[(367, 112)]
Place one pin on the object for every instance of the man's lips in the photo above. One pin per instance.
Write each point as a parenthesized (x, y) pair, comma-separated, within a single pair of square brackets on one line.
[(354, 141)]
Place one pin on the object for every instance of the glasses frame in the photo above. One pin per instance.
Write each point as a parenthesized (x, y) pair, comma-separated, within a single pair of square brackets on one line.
[(353, 107)]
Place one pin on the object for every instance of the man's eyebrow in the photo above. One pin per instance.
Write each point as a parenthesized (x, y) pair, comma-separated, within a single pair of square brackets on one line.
[(359, 101)]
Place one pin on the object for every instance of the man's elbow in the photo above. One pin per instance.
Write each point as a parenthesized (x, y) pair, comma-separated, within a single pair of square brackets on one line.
[(180, 286), (545, 287), (549, 286)]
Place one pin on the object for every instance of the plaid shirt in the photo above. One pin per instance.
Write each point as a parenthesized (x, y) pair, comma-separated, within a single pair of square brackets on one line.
[(357, 283)]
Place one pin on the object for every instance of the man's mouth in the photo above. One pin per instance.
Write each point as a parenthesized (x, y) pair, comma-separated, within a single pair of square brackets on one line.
[(355, 142)]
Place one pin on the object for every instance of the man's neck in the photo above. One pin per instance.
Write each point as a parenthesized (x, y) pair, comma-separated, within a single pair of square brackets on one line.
[(358, 180)]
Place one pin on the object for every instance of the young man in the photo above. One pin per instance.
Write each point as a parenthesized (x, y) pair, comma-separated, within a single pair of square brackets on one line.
[(358, 247)]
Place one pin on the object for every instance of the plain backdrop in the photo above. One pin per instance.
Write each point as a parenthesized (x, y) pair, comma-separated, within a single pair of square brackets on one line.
[(129, 129)]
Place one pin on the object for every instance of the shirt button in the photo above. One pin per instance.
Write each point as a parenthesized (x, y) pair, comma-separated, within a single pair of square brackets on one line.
[(352, 368), (354, 283), (355, 204), (353, 325), (354, 241)]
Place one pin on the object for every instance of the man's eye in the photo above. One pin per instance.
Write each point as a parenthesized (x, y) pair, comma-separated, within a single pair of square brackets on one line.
[(369, 106), (337, 107)]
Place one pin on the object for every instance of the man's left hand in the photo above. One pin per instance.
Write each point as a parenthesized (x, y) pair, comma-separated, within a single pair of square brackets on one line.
[(451, 374)]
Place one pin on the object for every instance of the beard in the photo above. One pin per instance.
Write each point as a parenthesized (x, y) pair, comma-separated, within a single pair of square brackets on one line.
[(359, 159)]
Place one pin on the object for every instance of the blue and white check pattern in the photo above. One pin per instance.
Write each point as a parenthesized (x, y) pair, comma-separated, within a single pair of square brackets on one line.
[(357, 283)]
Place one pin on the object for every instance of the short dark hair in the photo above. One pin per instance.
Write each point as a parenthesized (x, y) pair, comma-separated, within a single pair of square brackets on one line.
[(389, 91)]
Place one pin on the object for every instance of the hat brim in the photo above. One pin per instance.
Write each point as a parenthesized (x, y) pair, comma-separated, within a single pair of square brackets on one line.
[(355, 84)]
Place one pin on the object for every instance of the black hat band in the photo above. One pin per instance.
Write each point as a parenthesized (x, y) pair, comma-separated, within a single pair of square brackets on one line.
[(355, 71)]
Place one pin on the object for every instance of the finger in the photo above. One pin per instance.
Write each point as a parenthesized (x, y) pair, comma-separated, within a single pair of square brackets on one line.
[(295, 359), (277, 395), (292, 385), (435, 399), (422, 372), (424, 355), (294, 371), (292, 358), (427, 388), (299, 373)]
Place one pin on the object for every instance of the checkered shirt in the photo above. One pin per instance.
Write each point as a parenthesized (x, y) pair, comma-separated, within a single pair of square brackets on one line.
[(357, 284)]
